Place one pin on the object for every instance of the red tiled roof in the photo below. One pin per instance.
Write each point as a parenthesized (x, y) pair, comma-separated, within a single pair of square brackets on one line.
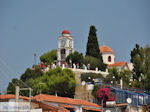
[(65, 32), (67, 106), (83, 102), (104, 49), (12, 96), (121, 104), (52, 108), (47, 107), (117, 64), (56, 99), (87, 108)]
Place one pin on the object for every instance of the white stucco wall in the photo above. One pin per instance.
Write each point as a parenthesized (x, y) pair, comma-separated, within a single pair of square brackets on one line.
[(67, 38), (130, 65), (79, 109), (105, 58), (58, 54), (67, 35)]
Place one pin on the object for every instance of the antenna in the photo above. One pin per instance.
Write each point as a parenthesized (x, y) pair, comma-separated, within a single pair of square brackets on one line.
[(34, 58)]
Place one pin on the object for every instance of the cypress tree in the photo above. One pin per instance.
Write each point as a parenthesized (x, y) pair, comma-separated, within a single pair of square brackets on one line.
[(92, 48)]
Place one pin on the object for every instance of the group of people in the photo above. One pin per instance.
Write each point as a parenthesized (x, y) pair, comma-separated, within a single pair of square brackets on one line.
[(45, 67)]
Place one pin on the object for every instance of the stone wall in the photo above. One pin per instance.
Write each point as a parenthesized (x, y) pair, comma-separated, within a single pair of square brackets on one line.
[(81, 91)]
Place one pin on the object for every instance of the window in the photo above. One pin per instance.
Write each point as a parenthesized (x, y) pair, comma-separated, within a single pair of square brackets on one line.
[(109, 58), (63, 54), (63, 51)]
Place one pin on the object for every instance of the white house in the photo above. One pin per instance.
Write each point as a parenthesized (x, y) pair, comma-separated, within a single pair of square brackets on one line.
[(73, 105), (109, 56)]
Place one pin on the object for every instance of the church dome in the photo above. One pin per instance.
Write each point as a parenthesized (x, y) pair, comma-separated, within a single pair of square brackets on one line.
[(65, 32), (106, 49)]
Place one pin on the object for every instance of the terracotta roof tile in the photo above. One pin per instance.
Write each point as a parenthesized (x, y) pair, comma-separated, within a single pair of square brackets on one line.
[(83, 102), (57, 99), (12, 96), (67, 106), (87, 108), (51, 98), (117, 64), (49, 107), (104, 49), (121, 104)]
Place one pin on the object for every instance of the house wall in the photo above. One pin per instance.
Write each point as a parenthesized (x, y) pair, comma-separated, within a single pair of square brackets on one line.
[(77, 108), (105, 58)]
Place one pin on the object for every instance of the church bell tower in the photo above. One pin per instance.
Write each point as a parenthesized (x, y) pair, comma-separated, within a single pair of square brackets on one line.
[(65, 46)]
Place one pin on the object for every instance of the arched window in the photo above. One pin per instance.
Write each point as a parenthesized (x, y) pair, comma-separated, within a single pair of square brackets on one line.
[(63, 51), (109, 58), (63, 54)]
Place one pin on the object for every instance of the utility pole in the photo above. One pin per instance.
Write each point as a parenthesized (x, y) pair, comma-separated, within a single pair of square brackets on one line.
[(34, 58), (18, 89), (30, 96)]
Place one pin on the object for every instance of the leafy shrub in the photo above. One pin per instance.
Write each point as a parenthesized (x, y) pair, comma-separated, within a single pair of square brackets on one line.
[(94, 62), (49, 57), (85, 77)]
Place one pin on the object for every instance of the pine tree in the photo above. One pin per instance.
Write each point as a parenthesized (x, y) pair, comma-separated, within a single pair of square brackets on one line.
[(92, 48)]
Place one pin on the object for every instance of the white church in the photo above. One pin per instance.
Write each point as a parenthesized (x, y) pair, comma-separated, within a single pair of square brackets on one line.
[(66, 47)]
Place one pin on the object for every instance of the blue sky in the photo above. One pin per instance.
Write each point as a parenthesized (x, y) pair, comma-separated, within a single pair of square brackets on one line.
[(32, 26)]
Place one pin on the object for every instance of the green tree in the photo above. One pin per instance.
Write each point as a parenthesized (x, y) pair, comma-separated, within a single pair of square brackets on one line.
[(145, 77), (49, 57), (94, 63), (12, 85), (29, 73), (23, 82), (92, 48), (39, 85), (140, 57), (92, 44), (115, 75), (136, 59), (76, 58), (54, 81), (126, 75)]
